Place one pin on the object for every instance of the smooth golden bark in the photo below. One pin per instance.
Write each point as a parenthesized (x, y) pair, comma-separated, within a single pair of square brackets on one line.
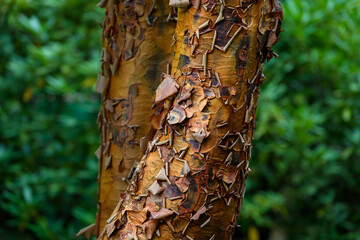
[(136, 50), (190, 183)]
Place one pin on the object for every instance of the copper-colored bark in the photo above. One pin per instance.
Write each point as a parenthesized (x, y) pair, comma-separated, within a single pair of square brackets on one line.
[(190, 184), (191, 181), (135, 52)]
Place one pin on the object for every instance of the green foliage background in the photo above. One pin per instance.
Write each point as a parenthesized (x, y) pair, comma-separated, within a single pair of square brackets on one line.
[(305, 174)]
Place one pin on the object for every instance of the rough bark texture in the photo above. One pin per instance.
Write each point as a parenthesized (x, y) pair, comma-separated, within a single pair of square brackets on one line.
[(190, 183), (136, 50)]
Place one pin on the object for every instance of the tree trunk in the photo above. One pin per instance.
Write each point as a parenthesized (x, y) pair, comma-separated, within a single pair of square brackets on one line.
[(190, 183), (135, 52)]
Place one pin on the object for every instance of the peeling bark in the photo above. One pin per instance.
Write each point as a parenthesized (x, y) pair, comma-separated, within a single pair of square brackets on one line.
[(135, 53), (190, 184)]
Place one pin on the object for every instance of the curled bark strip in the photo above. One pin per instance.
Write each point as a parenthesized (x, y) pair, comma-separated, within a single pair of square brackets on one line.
[(197, 183), (179, 3)]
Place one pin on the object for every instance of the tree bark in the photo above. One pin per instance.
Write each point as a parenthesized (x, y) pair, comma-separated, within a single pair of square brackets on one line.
[(190, 184), (135, 52)]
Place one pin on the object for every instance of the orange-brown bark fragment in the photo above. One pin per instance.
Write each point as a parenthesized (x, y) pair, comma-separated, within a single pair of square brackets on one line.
[(166, 89)]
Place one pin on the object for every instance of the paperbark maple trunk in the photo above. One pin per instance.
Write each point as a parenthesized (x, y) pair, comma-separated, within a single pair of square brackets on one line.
[(190, 183), (136, 50)]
